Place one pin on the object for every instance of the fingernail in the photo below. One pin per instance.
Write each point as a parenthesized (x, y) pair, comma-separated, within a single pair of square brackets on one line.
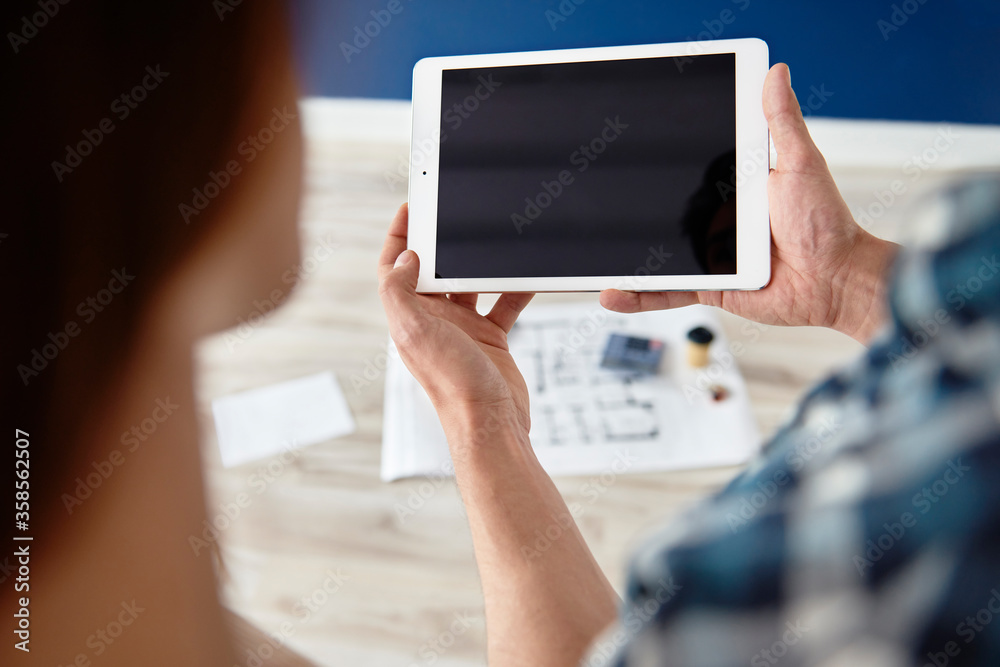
[(404, 258)]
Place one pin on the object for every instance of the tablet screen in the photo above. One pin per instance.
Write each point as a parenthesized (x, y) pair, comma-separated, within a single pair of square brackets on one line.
[(607, 168)]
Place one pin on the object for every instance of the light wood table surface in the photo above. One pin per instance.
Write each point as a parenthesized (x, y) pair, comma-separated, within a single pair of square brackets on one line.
[(387, 592)]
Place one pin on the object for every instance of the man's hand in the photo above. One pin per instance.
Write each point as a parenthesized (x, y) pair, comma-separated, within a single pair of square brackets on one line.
[(543, 606), (825, 269), (459, 356)]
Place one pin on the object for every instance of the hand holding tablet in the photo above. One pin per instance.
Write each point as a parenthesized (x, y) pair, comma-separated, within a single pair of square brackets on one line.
[(640, 168), (826, 270)]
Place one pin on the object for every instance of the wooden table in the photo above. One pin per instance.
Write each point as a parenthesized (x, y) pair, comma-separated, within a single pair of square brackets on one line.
[(322, 549)]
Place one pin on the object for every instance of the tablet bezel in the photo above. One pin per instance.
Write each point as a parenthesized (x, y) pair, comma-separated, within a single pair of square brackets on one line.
[(753, 237)]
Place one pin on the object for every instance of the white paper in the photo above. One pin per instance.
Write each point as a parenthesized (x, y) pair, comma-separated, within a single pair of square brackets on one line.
[(585, 419), (263, 422)]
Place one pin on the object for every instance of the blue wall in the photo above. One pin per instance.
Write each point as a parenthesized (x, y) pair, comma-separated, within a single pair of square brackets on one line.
[(928, 60)]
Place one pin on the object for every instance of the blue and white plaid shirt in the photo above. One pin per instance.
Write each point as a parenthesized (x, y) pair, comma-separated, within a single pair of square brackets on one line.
[(868, 532)]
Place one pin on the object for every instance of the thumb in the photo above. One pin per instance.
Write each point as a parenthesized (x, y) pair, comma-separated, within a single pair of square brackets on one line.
[(795, 148), (405, 257), (399, 285), (636, 302)]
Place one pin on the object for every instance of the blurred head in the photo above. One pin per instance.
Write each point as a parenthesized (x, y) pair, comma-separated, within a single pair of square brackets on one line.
[(156, 157)]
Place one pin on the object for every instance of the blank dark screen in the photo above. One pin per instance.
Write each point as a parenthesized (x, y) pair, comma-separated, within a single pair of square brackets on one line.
[(606, 168)]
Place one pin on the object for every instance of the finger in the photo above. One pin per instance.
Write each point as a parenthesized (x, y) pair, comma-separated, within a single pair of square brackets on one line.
[(636, 302), (398, 286), (507, 308), (465, 300), (395, 241), (795, 148)]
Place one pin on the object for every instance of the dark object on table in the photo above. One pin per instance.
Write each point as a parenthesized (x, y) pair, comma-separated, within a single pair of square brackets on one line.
[(631, 353), (719, 393), (699, 340)]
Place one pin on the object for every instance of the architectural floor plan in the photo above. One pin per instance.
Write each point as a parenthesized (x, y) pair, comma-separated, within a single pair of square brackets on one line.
[(583, 416)]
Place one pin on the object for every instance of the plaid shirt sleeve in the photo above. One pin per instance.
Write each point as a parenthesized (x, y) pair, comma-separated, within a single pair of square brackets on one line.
[(868, 532)]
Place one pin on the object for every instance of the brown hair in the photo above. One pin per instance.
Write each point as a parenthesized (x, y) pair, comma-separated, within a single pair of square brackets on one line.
[(115, 112)]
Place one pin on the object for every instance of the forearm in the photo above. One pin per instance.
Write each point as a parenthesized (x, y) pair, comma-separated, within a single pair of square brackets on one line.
[(546, 597), (863, 288)]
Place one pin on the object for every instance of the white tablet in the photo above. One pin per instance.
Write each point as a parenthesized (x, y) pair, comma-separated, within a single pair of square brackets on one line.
[(634, 167)]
